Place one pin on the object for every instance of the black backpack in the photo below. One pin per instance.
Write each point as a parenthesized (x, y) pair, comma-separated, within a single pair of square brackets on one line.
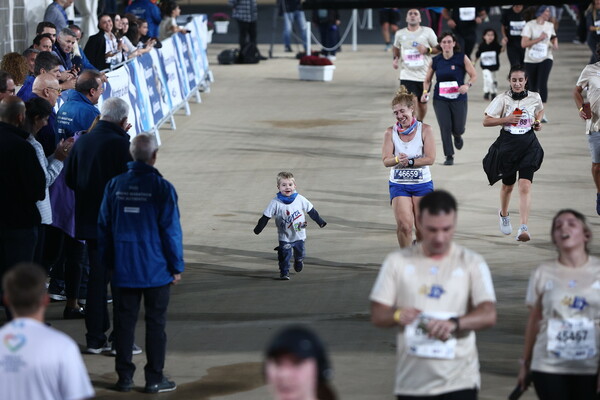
[(249, 54), (228, 56)]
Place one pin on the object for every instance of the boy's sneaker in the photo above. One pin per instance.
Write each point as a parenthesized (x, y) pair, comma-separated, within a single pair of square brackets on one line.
[(284, 277), (298, 265), (164, 386), (523, 234), (124, 385), (135, 351), (98, 350), (56, 292), (486, 96), (505, 226)]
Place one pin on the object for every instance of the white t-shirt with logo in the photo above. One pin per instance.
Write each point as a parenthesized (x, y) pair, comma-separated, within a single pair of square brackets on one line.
[(568, 339), (413, 66), (590, 80), (289, 218), (442, 288), (40, 363), (542, 50), (504, 105)]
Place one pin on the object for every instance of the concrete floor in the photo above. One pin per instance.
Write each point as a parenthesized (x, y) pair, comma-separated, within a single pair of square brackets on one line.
[(259, 120)]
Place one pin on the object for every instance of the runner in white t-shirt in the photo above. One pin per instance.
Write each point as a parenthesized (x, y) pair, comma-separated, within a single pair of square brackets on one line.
[(538, 38), (590, 112), (413, 47), (408, 150), (562, 338), (437, 294), (289, 209), (517, 149), (37, 362)]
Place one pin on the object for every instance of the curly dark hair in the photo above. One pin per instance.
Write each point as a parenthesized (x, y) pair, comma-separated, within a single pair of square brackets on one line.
[(15, 64)]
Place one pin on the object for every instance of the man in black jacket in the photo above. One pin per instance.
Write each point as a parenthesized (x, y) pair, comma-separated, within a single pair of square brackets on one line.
[(97, 157), (23, 182)]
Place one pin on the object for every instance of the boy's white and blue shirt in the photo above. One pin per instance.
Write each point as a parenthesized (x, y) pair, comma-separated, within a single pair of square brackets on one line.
[(290, 216)]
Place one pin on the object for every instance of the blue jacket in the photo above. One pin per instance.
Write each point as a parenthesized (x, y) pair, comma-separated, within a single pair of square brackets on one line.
[(149, 11), (139, 234), (76, 114)]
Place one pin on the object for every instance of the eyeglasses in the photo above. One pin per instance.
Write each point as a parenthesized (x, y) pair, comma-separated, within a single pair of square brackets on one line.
[(58, 90)]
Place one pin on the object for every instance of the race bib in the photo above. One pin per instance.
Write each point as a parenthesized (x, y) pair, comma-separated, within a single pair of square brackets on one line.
[(524, 124), (538, 51), (597, 25), (449, 90), (516, 27), (488, 58), (413, 58), (419, 344), (408, 175), (466, 13), (572, 338)]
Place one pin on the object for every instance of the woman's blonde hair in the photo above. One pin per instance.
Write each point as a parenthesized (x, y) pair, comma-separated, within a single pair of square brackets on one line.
[(403, 96)]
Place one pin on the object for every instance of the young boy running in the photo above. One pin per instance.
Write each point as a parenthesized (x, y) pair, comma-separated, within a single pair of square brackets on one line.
[(289, 209)]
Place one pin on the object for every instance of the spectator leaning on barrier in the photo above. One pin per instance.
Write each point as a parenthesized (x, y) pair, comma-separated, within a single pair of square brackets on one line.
[(79, 111), (56, 13), (148, 11), (37, 362), (140, 241), (22, 182), (102, 49), (7, 85), (168, 26), (96, 158), (63, 48), (82, 62)]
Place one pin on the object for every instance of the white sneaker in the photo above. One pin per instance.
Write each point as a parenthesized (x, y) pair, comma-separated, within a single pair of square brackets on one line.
[(505, 226), (523, 234)]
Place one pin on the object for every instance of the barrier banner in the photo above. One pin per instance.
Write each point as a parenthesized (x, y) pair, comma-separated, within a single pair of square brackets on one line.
[(119, 85), (139, 97), (201, 35), (160, 78), (170, 61), (185, 63), (152, 95), (196, 53)]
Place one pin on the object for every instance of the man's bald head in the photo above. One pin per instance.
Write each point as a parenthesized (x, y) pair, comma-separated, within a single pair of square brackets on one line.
[(46, 86), (12, 111)]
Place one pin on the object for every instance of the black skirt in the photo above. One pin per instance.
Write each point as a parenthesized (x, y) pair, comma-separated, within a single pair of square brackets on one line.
[(511, 153)]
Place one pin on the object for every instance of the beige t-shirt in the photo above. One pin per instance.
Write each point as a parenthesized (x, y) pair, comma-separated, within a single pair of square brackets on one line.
[(542, 50), (568, 340), (413, 65), (441, 288), (503, 105), (590, 80)]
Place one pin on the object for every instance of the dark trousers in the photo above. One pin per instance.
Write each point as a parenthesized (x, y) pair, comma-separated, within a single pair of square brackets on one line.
[(329, 37), (516, 55), (538, 74), (285, 252), (435, 21), (247, 32), (467, 394), (63, 256), (16, 245), (451, 117), (127, 306), (564, 387), (96, 310)]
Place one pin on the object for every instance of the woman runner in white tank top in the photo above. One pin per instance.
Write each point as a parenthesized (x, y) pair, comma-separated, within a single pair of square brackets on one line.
[(408, 150)]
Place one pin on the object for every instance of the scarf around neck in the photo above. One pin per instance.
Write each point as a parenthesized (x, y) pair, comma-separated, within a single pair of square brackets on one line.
[(398, 127), (287, 199)]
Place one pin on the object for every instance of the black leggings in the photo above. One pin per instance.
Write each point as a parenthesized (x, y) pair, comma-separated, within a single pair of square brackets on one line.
[(516, 55), (564, 387), (538, 74), (64, 255)]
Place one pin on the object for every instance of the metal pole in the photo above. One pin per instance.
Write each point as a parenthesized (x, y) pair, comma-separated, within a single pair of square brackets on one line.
[(308, 38), (354, 29), (370, 19)]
